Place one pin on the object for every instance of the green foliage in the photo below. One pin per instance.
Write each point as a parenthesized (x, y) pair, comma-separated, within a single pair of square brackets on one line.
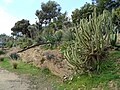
[(58, 35), (24, 42), (34, 31), (60, 22), (107, 4), (116, 17), (9, 44), (110, 70), (2, 52), (22, 68), (1, 58), (88, 49), (68, 35), (113, 39), (14, 56), (48, 11), (117, 12), (84, 12), (14, 64), (21, 28), (6, 41), (47, 35), (46, 70), (76, 16)]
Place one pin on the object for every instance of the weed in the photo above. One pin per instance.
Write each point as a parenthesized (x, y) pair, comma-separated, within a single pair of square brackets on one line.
[(14, 56), (46, 70), (1, 58), (14, 64)]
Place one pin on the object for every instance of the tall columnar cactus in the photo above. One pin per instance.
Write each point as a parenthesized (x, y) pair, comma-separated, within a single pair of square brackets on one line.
[(91, 40)]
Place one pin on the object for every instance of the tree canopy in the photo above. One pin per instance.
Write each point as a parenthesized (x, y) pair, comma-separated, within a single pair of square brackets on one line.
[(83, 12), (49, 11), (21, 28), (107, 4)]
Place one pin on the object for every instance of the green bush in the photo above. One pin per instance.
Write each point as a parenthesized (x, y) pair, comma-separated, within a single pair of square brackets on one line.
[(14, 56), (68, 35), (2, 52), (1, 59), (58, 35), (46, 70)]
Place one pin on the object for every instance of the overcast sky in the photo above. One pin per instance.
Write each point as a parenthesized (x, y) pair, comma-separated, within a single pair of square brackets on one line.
[(13, 10)]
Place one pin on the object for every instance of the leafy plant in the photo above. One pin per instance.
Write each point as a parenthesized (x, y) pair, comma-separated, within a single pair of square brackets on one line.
[(46, 70), (1, 58), (14, 56), (58, 35), (2, 52), (48, 55), (68, 35)]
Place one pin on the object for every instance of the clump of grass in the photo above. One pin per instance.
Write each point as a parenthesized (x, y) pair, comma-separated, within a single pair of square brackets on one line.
[(14, 56), (1, 58), (14, 64), (22, 68), (45, 70)]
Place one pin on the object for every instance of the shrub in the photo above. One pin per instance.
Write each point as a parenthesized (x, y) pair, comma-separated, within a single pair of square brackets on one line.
[(68, 35), (14, 56), (46, 70), (2, 52), (48, 55), (1, 58), (58, 35)]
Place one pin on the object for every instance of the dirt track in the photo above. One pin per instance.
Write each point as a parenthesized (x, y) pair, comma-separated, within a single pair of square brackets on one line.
[(11, 81)]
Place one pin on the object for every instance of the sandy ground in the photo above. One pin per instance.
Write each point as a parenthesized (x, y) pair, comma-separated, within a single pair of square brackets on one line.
[(11, 81)]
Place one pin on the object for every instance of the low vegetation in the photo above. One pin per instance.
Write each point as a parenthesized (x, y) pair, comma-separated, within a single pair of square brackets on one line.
[(22, 68), (2, 52), (107, 78), (86, 42)]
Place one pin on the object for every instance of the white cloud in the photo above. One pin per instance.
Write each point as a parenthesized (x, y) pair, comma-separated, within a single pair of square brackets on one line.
[(7, 21), (8, 1)]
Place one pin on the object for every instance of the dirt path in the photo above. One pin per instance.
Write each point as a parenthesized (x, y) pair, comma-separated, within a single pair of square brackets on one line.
[(11, 81)]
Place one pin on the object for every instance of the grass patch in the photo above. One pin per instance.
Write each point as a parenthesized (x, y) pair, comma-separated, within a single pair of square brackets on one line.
[(46, 71), (22, 68), (25, 68), (110, 71)]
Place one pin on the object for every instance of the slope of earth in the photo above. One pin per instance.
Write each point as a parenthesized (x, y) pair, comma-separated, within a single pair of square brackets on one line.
[(51, 59)]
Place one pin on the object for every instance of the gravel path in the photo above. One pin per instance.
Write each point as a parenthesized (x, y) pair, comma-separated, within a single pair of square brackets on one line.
[(11, 81)]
